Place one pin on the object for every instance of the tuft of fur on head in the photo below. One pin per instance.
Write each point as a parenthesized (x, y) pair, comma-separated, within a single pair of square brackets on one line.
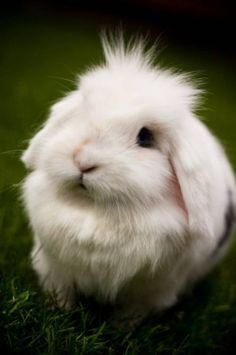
[(117, 52), (125, 61), (135, 55)]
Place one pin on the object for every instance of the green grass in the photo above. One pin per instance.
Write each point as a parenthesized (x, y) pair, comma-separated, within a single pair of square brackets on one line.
[(36, 57)]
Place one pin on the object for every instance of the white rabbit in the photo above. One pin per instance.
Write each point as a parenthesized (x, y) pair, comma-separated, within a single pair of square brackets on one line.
[(131, 199)]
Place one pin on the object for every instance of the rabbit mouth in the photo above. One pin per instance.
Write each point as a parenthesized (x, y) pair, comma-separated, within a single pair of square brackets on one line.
[(81, 182), (83, 186)]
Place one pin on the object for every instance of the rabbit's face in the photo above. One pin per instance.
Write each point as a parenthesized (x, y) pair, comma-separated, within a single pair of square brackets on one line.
[(109, 151)]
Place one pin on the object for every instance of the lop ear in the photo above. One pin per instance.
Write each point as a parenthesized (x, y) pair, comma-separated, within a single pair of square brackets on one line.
[(189, 163), (29, 157), (59, 113)]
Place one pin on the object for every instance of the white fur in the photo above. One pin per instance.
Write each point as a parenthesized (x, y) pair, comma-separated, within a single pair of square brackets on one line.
[(127, 238)]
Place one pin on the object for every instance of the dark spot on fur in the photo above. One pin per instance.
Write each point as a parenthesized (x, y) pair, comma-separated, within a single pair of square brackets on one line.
[(229, 221)]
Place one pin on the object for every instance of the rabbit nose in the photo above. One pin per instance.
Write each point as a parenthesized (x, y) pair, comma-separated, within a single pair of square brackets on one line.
[(84, 169), (83, 166)]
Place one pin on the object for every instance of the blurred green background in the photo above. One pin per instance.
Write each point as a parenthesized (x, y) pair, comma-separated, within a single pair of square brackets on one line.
[(43, 46)]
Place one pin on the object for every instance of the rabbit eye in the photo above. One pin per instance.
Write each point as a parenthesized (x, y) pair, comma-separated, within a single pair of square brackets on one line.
[(145, 138)]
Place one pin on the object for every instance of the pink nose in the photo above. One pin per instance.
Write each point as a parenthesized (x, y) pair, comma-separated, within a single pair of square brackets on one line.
[(86, 168)]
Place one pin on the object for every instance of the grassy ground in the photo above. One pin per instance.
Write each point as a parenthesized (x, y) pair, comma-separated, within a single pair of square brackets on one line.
[(35, 59)]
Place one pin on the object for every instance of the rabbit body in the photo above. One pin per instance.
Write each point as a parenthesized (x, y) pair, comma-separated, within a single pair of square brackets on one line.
[(131, 198)]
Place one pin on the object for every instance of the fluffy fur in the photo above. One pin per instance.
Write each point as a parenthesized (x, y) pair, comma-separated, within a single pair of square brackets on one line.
[(144, 223)]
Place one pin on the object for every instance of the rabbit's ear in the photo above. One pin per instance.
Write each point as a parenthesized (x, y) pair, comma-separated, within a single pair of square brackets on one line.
[(29, 156), (189, 164), (60, 112)]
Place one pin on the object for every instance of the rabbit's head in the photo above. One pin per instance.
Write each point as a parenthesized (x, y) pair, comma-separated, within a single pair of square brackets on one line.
[(115, 138)]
